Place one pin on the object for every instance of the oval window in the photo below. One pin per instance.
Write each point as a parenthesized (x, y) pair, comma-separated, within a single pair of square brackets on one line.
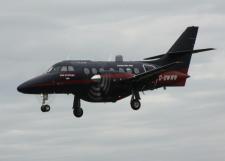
[(111, 70), (129, 70), (86, 71), (94, 71), (101, 70), (121, 70)]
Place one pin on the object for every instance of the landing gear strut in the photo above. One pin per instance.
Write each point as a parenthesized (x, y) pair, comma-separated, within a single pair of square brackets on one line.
[(45, 107), (134, 102), (77, 110)]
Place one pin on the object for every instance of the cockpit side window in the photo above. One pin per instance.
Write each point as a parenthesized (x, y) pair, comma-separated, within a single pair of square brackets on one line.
[(53, 69), (70, 69), (64, 69)]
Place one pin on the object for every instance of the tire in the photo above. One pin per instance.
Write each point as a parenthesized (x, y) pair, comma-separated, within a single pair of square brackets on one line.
[(78, 112), (135, 104), (45, 108)]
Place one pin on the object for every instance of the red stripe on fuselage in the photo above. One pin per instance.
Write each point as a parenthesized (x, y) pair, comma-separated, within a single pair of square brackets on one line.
[(85, 81), (118, 75), (180, 72)]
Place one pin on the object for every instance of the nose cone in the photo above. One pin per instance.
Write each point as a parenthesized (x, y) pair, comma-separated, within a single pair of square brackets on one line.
[(36, 85), (22, 88)]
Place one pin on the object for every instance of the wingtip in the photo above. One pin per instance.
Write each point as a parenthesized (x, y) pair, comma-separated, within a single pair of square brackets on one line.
[(210, 49)]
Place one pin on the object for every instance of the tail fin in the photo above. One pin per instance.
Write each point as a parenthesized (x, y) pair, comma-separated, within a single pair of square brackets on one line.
[(181, 51), (186, 41), (185, 45)]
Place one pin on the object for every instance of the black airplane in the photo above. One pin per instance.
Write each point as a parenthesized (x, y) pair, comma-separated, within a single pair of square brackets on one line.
[(110, 81)]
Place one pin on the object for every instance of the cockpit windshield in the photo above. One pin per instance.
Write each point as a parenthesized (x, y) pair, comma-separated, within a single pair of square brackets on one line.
[(65, 68), (54, 69)]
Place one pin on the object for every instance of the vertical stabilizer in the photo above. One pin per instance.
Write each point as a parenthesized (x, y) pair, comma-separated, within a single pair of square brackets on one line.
[(184, 43)]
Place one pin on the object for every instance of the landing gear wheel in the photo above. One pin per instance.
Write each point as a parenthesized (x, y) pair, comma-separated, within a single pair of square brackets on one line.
[(135, 104), (78, 112), (45, 108)]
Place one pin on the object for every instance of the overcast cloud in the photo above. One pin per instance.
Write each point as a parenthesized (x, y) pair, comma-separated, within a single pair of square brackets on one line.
[(179, 124)]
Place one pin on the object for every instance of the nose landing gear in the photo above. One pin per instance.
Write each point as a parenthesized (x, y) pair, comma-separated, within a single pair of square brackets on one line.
[(45, 107), (135, 103)]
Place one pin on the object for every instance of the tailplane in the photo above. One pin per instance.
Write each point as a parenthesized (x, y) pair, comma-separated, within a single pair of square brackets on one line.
[(181, 51)]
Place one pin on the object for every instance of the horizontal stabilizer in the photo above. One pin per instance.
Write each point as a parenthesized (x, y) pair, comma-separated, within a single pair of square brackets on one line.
[(180, 52)]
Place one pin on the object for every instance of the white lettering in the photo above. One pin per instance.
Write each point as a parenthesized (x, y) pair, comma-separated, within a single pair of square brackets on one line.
[(167, 77)]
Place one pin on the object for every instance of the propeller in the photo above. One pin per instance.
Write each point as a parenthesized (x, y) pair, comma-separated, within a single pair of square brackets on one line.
[(102, 83)]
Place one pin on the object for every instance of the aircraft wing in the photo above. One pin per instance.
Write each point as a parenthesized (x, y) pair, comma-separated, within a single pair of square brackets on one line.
[(147, 75), (140, 79)]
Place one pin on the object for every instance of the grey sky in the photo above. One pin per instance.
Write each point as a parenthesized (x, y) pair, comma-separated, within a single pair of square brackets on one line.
[(176, 124)]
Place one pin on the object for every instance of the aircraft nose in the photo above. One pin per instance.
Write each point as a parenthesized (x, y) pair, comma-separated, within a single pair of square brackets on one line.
[(37, 85), (19, 88), (28, 86), (22, 88)]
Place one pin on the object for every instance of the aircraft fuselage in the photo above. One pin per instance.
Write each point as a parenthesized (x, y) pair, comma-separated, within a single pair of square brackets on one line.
[(77, 77)]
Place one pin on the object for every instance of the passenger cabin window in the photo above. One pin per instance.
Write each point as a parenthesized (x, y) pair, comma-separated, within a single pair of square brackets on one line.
[(101, 70), (94, 71), (121, 70), (111, 70), (129, 70), (86, 71)]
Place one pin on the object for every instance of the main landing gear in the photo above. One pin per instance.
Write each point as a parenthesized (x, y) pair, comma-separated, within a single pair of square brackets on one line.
[(77, 110), (45, 107), (134, 102)]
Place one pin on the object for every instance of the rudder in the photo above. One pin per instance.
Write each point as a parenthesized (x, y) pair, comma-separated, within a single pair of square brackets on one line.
[(184, 43)]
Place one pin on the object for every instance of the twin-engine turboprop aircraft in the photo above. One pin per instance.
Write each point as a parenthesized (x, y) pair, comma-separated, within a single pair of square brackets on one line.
[(110, 81)]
